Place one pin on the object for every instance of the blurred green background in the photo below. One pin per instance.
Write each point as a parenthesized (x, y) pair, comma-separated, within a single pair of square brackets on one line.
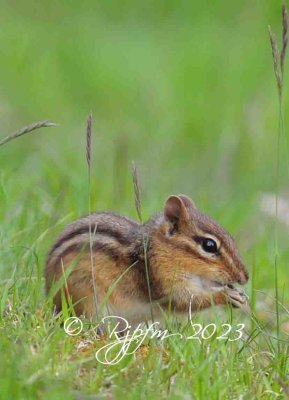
[(184, 88)]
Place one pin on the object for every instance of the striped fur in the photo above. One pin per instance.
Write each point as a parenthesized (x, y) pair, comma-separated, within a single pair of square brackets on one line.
[(168, 244)]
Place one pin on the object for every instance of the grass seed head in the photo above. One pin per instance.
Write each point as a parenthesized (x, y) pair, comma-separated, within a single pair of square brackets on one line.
[(89, 139), (136, 186)]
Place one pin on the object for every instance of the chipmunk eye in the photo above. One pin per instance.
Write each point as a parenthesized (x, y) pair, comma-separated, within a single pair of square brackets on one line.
[(209, 245)]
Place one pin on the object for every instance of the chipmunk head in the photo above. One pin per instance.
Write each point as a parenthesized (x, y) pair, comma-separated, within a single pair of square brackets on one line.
[(200, 252)]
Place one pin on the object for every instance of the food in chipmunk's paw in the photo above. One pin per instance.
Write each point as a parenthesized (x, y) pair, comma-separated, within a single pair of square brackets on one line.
[(179, 258), (237, 296)]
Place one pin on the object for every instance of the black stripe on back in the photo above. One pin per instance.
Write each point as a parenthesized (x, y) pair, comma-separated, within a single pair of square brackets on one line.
[(83, 248), (95, 228)]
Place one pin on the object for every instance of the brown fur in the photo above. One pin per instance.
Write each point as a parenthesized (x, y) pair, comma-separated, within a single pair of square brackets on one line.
[(167, 245)]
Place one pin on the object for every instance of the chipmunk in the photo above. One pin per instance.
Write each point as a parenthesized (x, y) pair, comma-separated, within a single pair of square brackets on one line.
[(179, 258)]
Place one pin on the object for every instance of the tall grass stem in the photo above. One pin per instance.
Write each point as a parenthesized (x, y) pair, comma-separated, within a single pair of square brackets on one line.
[(89, 164), (27, 129)]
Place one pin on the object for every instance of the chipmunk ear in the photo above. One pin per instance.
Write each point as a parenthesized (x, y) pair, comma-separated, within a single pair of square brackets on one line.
[(176, 211), (187, 201)]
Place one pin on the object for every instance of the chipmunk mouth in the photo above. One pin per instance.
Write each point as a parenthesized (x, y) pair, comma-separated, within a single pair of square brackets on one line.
[(217, 286), (205, 285)]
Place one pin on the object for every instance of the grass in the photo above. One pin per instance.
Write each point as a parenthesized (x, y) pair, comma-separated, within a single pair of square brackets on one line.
[(30, 128), (182, 89)]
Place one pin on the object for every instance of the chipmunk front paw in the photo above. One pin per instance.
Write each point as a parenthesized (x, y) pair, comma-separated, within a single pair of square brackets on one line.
[(236, 296)]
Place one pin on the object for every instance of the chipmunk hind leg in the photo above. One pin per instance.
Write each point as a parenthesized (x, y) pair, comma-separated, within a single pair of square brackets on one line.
[(87, 287)]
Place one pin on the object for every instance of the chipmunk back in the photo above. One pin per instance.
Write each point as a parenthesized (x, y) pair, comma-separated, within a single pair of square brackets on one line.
[(180, 257)]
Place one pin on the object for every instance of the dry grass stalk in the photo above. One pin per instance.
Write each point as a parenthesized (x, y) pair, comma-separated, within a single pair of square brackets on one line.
[(136, 186), (276, 60), (279, 58), (91, 234), (27, 129), (137, 199), (89, 140), (285, 25)]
